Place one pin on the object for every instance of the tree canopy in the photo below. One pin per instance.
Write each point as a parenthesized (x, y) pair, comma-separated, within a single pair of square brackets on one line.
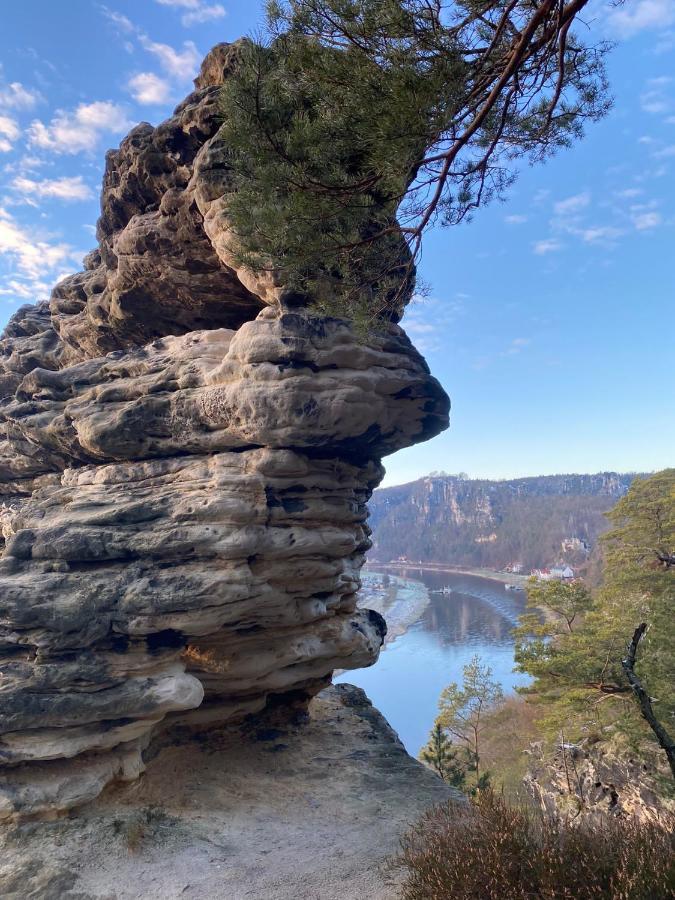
[(577, 652), (454, 747), (356, 124)]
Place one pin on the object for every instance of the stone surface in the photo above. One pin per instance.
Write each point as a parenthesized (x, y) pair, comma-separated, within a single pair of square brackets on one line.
[(607, 779), (185, 463), (290, 810)]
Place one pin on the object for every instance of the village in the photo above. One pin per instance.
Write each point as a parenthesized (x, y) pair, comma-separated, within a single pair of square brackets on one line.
[(560, 572)]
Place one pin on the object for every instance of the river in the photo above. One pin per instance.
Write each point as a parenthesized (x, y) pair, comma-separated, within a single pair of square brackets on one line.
[(475, 619)]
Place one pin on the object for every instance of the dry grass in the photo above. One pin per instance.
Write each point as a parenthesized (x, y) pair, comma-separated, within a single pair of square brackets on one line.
[(509, 730), (492, 850), (141, 826)]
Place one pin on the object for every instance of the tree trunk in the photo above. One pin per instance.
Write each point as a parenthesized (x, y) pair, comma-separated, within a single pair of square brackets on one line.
[(662, 736)]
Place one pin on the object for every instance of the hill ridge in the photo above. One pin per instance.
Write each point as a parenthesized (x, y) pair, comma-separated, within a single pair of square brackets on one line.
[(533, 520)]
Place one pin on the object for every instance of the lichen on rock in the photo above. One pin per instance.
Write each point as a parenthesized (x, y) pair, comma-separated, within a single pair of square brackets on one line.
[(185, 462)]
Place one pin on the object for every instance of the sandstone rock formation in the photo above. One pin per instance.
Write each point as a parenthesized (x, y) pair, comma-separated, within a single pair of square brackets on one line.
[(185, 462)]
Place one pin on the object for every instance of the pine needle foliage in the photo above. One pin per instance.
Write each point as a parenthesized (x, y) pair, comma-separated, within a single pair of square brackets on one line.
[(444, 758), (455, 742), (353, 125), (575, 652)]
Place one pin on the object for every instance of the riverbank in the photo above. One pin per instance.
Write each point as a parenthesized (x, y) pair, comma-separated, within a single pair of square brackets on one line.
[(475, 619), (491, 574), (402, 602)]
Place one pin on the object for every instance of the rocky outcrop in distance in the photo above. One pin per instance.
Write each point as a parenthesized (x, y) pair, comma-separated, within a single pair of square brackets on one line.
[(469, 522), (186, 454)]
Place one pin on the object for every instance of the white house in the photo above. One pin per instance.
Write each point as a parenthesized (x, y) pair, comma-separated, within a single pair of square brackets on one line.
[(562, 572)]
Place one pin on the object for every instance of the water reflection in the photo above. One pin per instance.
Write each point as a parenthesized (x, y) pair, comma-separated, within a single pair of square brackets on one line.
[(476, 618)]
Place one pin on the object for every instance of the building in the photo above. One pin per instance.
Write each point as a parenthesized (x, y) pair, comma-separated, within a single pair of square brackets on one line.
[(564, 573), (574, 545)]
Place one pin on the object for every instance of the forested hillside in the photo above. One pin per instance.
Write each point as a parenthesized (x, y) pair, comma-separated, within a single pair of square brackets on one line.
[(448, 518)]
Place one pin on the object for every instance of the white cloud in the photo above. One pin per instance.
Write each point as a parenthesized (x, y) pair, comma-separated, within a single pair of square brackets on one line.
[(61, 188), (81, 129), (654, 99), (517, 345), (515, 220), (118, 19), (427, 317), (647, 220), (628, 193), (181, 65), (665, 43), (32, 256), (203, 14), (640, 16), (198, 10), (654, 102), (600, 234), (665, 152), (16, 96), (148, 88), (549, 245), (572, 204), (9, 132), (26, 290), (420, 328)]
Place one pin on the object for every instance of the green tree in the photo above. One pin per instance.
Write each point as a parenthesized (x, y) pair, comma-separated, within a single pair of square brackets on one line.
[(640, 547), (356, 112), (441, 755), (463, 712), (639, 573), (577, 653)]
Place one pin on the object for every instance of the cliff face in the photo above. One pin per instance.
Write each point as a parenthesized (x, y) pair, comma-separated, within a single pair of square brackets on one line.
[(494, 523), (185, 462)]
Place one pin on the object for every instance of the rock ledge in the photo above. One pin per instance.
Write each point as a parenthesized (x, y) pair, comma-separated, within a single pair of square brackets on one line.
[(282, 811)]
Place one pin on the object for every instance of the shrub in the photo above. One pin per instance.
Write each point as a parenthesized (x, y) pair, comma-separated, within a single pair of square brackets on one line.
[(491, 850)]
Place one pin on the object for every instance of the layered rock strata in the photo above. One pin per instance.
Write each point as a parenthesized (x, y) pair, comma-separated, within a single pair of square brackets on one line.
[(185, 463)]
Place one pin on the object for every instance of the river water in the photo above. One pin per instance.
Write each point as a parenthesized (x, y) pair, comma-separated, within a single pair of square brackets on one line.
[(475, 619)]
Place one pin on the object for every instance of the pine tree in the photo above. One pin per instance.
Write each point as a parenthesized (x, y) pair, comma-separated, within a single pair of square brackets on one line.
[(463, 713), (441, 755), (576, 652), (359, 123)]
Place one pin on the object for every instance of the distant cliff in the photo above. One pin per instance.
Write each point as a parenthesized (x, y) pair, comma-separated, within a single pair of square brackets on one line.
[(467, 522)]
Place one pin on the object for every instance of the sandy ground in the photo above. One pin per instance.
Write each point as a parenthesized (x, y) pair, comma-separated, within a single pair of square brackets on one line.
[(402, 604), (306, 812)]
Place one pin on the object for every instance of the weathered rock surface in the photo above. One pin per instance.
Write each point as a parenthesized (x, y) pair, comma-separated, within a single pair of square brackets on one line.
[(300, 810), (600, 778), (185, 463)]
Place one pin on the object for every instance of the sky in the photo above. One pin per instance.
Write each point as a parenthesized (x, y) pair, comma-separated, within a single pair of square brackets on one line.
[(549, 317)]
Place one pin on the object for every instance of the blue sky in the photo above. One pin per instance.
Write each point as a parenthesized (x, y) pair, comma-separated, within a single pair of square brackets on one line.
[(550, 316)]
